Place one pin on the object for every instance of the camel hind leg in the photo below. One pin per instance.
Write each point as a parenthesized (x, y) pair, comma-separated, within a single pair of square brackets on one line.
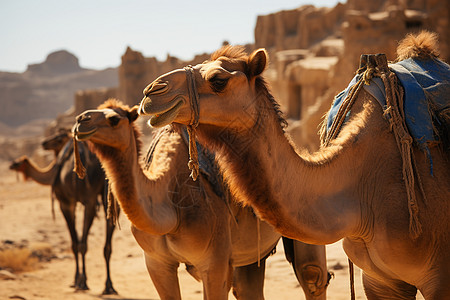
[(68, 212), (89, 214), (248, 281)]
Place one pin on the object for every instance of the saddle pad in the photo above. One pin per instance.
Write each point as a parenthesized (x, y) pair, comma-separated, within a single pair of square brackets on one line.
[(422, 81)]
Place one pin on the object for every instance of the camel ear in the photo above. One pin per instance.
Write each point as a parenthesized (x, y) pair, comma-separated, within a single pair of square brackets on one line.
[(133, 113), (257, 62)]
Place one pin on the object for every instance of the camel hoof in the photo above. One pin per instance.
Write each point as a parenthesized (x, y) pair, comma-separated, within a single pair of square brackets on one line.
[(81, 286), (109, 291)]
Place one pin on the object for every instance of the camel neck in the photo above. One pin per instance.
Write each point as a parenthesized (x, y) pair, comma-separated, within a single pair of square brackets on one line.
[(45, 176), (143, 198), (299, 195)]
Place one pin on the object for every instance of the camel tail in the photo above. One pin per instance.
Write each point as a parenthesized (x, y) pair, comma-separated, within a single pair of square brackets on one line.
[(423, 45)]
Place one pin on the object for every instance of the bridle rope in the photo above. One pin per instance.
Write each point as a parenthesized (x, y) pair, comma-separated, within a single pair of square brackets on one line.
[(195, 111)]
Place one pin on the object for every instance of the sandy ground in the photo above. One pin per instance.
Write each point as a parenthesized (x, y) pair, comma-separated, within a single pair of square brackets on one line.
[(25, 217)]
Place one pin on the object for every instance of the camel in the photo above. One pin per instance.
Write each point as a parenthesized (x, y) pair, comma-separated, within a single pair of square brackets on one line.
[(351, 189), (177, 220), (56, 141), (69, 190)]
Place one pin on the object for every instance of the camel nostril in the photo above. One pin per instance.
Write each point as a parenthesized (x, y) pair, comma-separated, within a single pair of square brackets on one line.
[(156, 87), (83, 117)]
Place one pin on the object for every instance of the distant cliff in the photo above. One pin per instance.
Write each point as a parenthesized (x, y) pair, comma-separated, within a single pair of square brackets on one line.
[(47, 89)]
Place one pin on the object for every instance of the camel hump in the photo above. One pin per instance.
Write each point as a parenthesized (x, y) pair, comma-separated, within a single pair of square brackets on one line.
[(423, 45)]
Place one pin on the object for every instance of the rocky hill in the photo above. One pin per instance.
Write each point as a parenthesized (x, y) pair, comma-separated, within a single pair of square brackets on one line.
[(47, 89)]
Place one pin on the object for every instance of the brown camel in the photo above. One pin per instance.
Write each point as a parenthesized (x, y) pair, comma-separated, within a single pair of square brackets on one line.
[(176, 220), (352, 189), (69, 190), (56, 141)]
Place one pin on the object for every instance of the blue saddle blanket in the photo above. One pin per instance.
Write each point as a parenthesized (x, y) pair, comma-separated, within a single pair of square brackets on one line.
[(423, 81)]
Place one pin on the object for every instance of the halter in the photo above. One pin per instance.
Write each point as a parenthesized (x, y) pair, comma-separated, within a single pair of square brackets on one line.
[(193, 95), (195, 112)]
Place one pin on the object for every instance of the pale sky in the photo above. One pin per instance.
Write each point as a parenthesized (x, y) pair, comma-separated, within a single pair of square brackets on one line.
[(99, 31)]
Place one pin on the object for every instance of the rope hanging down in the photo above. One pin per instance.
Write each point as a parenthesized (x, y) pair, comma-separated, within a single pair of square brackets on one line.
[(371, 66), (77, 164), (376, 65), (193, 100), (394, 103)]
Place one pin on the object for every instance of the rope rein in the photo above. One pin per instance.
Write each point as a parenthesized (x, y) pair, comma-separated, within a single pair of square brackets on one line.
[(77, 164), (191, 128), (352, 279), (112, 211)]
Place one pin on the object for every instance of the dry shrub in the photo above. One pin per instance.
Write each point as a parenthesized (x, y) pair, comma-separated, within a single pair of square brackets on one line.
[(18, 260)]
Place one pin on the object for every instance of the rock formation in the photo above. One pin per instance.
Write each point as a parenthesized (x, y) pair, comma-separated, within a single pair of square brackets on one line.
[(59, 62)]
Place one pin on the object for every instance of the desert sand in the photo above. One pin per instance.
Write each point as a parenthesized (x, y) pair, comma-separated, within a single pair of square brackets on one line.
[(26, 219)]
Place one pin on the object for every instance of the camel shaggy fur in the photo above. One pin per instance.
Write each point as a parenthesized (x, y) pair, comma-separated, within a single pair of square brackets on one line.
[(352, 189)]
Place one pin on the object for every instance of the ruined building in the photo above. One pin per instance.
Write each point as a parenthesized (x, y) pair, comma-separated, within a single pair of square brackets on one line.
[(315, 51)]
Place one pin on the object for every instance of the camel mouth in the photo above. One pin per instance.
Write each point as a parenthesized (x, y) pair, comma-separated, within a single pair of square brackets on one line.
[(82, 136), (166, 117), (149, 106)]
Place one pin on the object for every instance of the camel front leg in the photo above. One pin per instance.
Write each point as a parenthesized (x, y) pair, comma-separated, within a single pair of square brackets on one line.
[(248, 281), (217, 277), (164, 277), (109, 289), (310, 267)]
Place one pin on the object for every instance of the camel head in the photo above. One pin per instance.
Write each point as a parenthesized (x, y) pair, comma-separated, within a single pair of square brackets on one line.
[(109, 125), (20, 165), (220, 92), (57, 141)]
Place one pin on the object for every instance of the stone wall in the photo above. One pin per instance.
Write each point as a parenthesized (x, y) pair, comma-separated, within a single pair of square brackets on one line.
[(297, 29), (90, 99)]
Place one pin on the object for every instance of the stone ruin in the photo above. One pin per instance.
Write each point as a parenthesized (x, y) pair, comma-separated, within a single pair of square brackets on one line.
[(315, 51), (314, 54)]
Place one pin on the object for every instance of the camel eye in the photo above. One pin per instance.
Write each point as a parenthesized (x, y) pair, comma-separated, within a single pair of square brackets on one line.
[(113, 120), (218, 84)]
